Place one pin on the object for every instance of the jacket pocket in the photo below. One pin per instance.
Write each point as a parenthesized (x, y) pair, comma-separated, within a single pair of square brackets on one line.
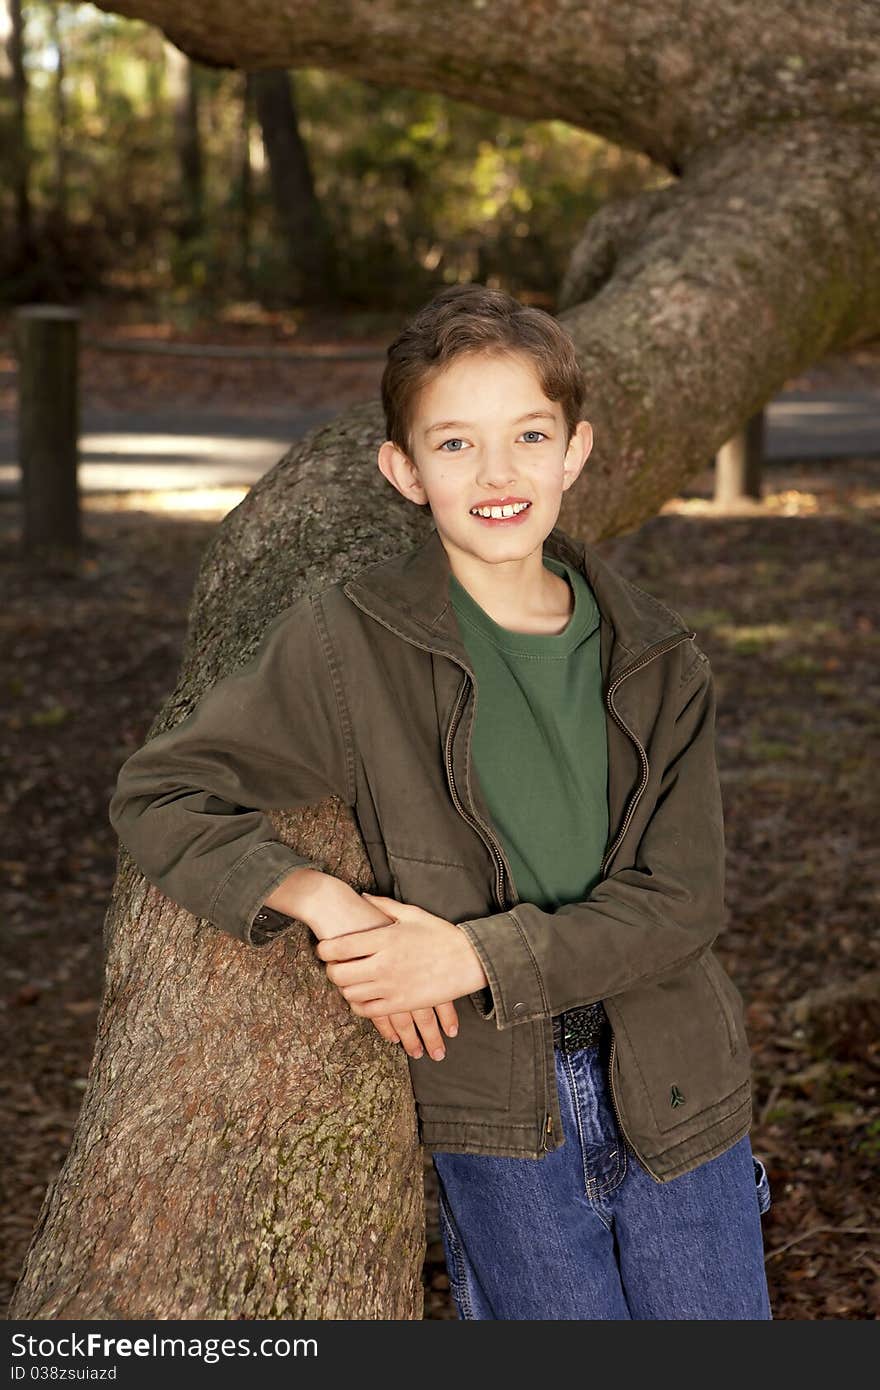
[(728, 996), (682, 1060)]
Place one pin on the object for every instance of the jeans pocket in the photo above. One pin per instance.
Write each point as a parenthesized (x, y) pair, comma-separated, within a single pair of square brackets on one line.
[(763, 1185), (456, 1263)]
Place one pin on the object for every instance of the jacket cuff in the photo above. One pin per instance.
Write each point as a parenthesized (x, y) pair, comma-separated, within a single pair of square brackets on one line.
[(248, 884), (511, 969), (483, 1002)]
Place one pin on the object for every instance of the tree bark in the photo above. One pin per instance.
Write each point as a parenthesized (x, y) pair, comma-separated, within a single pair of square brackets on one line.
[(298, 213), (692, 308), (247, 1145), (664, 78)]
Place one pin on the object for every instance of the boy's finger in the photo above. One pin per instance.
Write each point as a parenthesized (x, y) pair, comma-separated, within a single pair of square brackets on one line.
[(412, 1043), (448, 1018), (350, 945), (386, 1028), (426, 1022)]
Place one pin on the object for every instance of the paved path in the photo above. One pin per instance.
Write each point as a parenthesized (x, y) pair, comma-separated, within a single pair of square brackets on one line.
[(143, 451), (200, 449)]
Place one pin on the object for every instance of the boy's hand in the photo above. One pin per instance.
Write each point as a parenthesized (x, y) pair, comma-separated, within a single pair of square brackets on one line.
[(417, 962), (333, 908)]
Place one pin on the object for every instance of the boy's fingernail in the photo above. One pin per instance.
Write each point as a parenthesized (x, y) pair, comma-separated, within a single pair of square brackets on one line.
[(452, 1029), (438, 1055), (418, 1052)]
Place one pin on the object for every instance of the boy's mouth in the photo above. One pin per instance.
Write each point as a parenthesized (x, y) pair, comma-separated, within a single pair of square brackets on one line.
[(501, 509)]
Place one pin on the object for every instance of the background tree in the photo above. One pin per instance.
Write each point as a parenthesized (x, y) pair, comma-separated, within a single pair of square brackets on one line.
[(13, 128), (61, 133), (183, 85), (304, 232), (413, 188)]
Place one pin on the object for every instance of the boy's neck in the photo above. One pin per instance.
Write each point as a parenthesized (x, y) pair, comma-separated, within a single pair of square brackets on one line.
[(522, 595)]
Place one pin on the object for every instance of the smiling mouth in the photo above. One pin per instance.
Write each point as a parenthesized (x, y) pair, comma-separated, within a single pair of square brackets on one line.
[(502, 511)]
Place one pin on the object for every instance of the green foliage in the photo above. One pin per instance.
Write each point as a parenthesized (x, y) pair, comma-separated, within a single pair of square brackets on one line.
[(416, 190)]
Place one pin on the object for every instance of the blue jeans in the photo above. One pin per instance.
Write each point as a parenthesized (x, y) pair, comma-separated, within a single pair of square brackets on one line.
[(587, 1233)]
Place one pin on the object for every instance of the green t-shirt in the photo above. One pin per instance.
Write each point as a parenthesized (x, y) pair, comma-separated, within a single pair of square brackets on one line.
[(540, 743)]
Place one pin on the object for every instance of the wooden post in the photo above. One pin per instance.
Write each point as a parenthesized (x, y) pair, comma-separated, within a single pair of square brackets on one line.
[(738, 463), (48, 433)]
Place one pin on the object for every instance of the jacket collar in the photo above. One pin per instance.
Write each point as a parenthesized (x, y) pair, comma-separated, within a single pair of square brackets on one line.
[(410, 593)]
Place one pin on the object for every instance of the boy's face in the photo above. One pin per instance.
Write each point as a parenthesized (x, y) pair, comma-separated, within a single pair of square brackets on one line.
[(473, 446)]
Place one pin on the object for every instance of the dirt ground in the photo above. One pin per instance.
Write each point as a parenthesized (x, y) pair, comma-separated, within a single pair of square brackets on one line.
[(783, 596)]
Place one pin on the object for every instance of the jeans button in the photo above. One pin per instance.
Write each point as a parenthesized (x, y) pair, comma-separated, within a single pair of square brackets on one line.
[(519, 1008)]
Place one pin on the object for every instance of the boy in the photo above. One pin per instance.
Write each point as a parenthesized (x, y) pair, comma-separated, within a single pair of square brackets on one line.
[(527, 741)]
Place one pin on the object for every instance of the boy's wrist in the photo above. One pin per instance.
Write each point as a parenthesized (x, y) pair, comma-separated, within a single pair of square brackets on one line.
[(305, 894)]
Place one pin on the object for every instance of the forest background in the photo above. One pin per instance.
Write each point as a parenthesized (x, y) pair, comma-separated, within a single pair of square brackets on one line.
[(130, 170)]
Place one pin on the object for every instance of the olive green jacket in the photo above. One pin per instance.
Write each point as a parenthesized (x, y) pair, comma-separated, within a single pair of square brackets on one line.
[(365, 691)]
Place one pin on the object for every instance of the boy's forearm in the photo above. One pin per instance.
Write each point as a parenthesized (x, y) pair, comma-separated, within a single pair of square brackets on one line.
[(299, 894)]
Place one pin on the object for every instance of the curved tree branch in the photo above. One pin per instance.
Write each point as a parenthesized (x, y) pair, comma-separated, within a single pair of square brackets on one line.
[(664, 78), (708, 296)]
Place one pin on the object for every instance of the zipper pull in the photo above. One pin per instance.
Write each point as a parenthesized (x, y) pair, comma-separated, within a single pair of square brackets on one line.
[(548, 1130)]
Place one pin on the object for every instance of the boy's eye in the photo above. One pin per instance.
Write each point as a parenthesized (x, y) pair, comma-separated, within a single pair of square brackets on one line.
[(540, 433)]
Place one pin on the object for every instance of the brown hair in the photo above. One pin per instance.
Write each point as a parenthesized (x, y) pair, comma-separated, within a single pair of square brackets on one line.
[(472, 318)]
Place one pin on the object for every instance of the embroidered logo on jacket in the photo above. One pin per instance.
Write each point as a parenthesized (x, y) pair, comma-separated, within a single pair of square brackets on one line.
[(676, 1097)]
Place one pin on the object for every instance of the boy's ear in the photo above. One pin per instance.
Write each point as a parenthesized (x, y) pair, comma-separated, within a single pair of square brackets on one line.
[(579, 448), (401, 473)]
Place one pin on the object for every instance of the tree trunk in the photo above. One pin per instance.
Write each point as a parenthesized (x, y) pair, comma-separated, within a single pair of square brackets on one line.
[(247, 1145), (245, 186), (14, 142), (47, 343), (739, 464), (184, 91), (297, 210), (60, 131)]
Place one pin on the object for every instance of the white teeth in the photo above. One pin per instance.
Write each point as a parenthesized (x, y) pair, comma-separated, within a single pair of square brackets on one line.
[(511, 509)]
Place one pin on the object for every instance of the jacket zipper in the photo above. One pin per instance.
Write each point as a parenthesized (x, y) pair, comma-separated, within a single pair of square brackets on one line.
[(609, 700), (547, 1131), (488, 838), (630, 812)]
